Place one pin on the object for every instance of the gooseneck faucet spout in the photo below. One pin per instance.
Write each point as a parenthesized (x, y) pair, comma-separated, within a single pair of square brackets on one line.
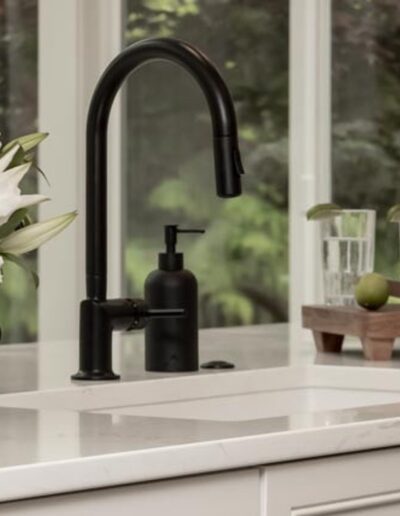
[(100, 316), (226, 154)]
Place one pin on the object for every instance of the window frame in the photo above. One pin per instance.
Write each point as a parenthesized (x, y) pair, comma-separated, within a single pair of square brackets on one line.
[(91, 34), (309, 146), (84, 37)]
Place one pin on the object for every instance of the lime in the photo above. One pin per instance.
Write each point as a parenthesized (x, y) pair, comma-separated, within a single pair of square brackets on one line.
[(393, 215), (372, 291), (323, 211)]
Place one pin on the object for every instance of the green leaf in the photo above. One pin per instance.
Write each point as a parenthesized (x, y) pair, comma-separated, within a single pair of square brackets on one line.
[(19, 158), (13, 222), (6, 158), (26, 221), (393, 215), (17, 260), (27, 142), (323, 211)]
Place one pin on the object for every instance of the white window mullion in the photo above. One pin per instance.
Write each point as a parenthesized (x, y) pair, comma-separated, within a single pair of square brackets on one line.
[(76, 41), (109, 40), (59, 263), (310, 135)]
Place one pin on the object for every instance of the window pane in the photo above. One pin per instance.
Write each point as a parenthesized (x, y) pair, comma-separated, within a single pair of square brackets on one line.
[(18, 112), (366, 114), (242, 260)]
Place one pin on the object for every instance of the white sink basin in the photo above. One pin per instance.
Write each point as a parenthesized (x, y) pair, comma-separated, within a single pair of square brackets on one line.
[(261, 405), (228, 396)]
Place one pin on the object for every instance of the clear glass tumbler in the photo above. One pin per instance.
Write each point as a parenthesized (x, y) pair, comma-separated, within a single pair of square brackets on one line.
[(348, 250)]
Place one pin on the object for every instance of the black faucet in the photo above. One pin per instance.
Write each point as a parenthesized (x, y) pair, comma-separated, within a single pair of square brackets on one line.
[(99, 316)]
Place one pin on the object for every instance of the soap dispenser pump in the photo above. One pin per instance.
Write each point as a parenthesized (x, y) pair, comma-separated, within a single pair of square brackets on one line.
[(171, 345)]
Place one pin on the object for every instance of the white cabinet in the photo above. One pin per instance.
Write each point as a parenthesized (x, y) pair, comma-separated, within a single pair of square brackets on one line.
[(360, 484), (234, 494)]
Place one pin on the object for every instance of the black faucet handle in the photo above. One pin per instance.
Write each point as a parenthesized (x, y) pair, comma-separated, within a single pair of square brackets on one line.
[(161, 313), (142, 312), (132, 314)]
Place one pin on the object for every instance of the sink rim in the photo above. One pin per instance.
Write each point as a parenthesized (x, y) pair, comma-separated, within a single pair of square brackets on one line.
[(84, 398)]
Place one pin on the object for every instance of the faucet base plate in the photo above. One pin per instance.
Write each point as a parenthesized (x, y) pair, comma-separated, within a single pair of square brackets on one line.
[(98, 376)]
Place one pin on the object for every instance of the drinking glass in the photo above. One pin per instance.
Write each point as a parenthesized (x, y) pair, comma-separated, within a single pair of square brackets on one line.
[(348, 248)]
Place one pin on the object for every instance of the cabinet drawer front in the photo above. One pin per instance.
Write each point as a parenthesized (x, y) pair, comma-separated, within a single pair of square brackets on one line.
[(380, 505), (235, 493), (366, 484)]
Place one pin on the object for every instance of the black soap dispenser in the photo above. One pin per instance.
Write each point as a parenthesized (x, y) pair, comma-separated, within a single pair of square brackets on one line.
[(171, 344)]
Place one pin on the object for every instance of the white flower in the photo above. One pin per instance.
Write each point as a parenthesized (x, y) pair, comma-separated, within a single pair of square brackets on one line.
[(10, 194), (31, 237)]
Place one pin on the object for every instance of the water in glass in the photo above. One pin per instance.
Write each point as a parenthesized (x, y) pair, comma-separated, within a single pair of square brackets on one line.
[(348, 252)]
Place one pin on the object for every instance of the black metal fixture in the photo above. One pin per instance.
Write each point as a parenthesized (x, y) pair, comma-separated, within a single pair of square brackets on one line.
[(172, 345), (98, 315)]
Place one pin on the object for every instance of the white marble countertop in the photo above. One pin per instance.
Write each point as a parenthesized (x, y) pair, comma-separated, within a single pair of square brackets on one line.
[(46, 452)]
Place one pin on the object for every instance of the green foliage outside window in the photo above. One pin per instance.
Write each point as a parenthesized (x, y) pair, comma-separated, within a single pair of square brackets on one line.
[(242, 260), (366, 115)]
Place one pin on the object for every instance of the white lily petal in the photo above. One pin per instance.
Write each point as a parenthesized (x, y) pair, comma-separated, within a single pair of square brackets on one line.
[(12, 177), (10, 194), (8, 157), (31, 200), (9, 205), (33, 236)]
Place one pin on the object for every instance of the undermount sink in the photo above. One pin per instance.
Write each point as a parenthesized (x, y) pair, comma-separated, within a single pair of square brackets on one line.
[(230, 396), (261, 405)]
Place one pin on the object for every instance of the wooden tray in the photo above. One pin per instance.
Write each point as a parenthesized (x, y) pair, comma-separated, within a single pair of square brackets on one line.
[(377, 330)]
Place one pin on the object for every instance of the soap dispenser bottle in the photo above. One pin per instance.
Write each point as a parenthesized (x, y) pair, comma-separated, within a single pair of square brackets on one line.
[(171, 345)]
